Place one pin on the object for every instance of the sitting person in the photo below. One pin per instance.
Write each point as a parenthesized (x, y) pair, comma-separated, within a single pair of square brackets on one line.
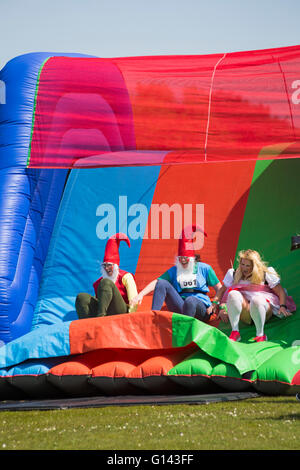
[(113, 290), (252, 293), (185, 286)]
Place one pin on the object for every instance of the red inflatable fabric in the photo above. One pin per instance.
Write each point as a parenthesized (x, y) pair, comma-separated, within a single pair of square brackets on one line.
[(217, 107)]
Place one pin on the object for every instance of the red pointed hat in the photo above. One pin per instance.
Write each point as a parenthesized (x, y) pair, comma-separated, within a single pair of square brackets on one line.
[(111, 254), (185, 244)]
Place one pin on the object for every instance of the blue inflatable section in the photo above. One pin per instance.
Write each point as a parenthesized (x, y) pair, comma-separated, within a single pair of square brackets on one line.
[(29, 199), (33, 345), (28, 207), (52, 247), (96, 204)]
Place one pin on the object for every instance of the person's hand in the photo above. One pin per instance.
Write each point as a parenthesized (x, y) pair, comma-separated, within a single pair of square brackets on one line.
[(284, 311), (223, 315), (215, 308), (209, 310), (137, 300)]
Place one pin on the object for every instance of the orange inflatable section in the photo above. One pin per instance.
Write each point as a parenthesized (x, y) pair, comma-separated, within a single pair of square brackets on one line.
[(129, 363), (133, 331), (223, 190)]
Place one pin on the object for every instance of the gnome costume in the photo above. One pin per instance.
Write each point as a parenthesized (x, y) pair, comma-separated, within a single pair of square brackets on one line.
[(185, 289), (113, 290)]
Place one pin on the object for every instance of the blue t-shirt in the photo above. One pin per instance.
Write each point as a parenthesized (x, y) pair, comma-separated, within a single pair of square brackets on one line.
[(199, 286)]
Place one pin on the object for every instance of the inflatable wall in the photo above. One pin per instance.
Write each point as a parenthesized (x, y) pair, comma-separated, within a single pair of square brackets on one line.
[(143, 145)]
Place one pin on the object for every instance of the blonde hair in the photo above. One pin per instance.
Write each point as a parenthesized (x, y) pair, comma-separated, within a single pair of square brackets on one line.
[(259, 267)]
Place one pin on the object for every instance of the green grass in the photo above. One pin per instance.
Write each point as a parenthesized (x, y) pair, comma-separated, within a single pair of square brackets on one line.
[(264, 423)]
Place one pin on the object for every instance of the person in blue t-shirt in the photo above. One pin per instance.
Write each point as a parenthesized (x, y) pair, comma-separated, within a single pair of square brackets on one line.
[(185, 286)]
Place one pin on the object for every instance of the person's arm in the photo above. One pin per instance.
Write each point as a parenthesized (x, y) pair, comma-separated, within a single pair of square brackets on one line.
[(219, 293), (135, 301), (217, 287), (213, 307), (217, 301), (130, 285), (279, 290), (220, 306)]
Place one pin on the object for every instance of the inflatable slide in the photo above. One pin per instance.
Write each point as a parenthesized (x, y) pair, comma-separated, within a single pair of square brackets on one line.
[(144, 145)]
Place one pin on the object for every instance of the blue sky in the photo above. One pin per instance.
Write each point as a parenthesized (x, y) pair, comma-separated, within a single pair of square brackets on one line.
[(119, 28)]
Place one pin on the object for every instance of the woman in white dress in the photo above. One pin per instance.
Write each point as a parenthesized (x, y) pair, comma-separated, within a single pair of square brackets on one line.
[(252, 292)]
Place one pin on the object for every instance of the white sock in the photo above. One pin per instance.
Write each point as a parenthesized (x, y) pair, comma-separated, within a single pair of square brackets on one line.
[(234, 306), (258, 310)]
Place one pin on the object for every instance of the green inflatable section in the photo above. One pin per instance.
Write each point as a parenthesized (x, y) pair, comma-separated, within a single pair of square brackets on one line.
[(271, 367), (272, 217)]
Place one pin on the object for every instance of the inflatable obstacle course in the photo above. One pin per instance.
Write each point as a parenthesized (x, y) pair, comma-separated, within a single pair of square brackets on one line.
[(92, 146)]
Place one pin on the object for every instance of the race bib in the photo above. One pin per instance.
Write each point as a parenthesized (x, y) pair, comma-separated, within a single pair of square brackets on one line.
[(188, 283)]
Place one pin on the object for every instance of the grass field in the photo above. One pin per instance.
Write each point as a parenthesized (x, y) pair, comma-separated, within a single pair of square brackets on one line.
[(263, 423)]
